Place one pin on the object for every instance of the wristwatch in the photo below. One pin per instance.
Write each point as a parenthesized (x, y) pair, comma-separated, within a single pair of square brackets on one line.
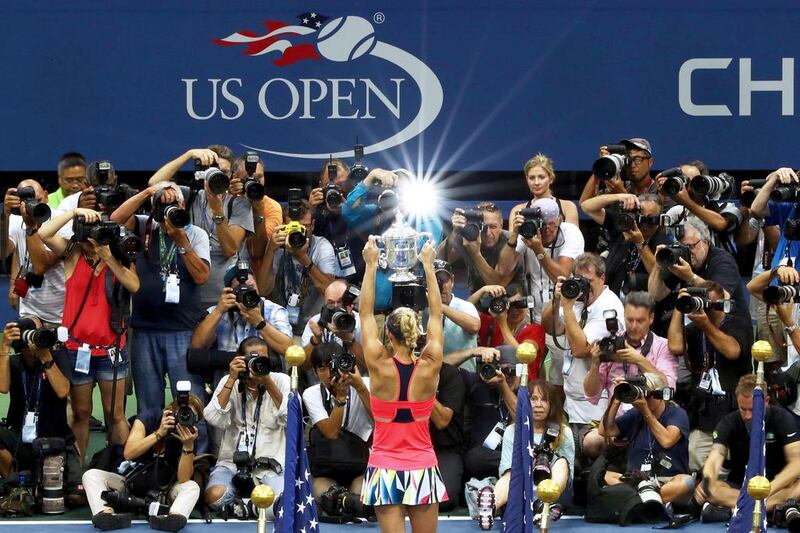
[(788, 330), (218, 219), (182, 250), (47, 365), (336, 402), (31, 231), (540, 257), (258, 219)]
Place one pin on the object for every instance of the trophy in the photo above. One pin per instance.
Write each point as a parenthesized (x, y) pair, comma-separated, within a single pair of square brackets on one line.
[(400, 243)]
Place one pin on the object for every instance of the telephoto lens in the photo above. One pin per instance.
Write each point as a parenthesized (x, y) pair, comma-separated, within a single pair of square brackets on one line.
[(630, 390), (675, 181), (574, 288), (670, 255), (688, 303), (781, 294)]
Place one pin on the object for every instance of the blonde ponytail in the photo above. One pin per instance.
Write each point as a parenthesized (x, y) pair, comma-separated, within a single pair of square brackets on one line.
[(403, 325)]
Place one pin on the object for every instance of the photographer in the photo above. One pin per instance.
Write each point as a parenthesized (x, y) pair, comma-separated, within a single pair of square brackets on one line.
[(581, 317), (34, 291), (241, 313), (173, 264), (511, 326), (37, 390), (161, 446), (553, 453), (634, 229), (317, 330), (539, 177), (548, 249), (267, 212), (732, 441), (781, 183), (491, 406), (706, 262), (461, 319), (722, 218), (477, 240), (716, 352), (327, 201), (249, 405), (339, 408), (296, 276), (227, 219), (447, 433), (642, 352), (71, 178), (654, 429), (783, 302), (99, 282), (366, 215), (635, 176)]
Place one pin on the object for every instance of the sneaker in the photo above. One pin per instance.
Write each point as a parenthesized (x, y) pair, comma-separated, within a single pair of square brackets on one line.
[(486, 508), (714, 513), (170, 522), (111, 521)]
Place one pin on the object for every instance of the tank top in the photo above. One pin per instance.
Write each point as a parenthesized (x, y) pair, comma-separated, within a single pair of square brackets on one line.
[(93, 322), (404, 443)]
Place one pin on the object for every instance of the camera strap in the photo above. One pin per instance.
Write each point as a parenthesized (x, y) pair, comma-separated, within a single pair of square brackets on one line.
[(256, 417), (167, 257), (28, 380)]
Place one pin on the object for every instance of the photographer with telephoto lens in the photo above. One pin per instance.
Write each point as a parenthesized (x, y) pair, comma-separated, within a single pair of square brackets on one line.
[(656, 433), (99, 284), (732, 441), (641, 351), (548, 248), (298, 265), (161, 441), (623, 168), (339, 408), (336, 322), (247, 180), (33, 291), (477, 240), (553, 453), (249, 406), (715, 346), (240, 313)]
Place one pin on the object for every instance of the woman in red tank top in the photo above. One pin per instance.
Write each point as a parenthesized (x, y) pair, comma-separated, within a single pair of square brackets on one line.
[(402, 475), (87, 315)]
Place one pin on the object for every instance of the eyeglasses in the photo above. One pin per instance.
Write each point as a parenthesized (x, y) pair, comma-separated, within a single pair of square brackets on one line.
[(486, 206), (639, 158), (692, 246)]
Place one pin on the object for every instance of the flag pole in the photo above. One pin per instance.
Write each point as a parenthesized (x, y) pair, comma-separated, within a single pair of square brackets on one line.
[(295, 357), (758, 487), (262, 497)]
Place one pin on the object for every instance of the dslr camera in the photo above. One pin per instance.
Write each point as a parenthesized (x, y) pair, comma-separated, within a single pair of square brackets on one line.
[(543, 454), (494, 304), (176, 215), (473, 227), (612, 164), (218, 181), (123, 501), (384, 197), (39, 211), (343, 363), (696, 299), (676, 181), (295, 231), (787, 516), (412, 294), (575, 288), (184, 415), (651, 507), (359, 171), (245, 294), (489, 370), (252, 187), (109, 196), (39, 337), (257, 365), (613, 342), (713, 187), (782, 294), (337, 501), (332, 195), (51, 459), (125, 246), (242, 481), (786, 192), (627, 220), (670, 254), (635, 387), (532, 223), (338, 317)]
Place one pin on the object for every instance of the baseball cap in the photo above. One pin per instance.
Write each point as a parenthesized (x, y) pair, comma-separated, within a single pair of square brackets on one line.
[(548, 208), (442, 266), (638, 142)]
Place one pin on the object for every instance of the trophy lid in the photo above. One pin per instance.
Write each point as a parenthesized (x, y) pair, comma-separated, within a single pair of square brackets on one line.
[(399, 229)]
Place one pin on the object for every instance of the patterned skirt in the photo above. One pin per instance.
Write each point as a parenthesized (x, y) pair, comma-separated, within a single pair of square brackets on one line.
[(408, 487)]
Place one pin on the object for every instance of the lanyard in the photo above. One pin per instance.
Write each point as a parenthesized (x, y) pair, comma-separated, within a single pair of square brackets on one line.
[(256, 418), (28, 397), (166, 256)]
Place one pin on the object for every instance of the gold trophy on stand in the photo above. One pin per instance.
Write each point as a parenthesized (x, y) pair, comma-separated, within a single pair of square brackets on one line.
[(758, 487)]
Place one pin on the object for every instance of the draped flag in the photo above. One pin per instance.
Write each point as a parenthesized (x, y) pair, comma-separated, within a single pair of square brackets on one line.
[(518, 516), (742, 520)]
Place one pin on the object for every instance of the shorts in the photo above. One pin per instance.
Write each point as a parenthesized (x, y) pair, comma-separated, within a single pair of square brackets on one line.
[(100, 368), (383, 486)]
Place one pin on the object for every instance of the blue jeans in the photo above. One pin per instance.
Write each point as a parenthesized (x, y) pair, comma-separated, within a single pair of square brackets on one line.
[(155, 354)]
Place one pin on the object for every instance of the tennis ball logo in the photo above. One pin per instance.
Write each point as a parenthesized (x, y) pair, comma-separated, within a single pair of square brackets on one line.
[(346, 38)]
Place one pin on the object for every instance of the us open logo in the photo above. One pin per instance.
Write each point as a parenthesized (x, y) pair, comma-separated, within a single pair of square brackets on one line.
[(339, 40)]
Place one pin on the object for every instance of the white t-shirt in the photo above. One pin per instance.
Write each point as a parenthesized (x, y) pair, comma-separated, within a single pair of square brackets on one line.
[(327, 336), (47, 301), (569, 243), (579, 409), (356, 418)]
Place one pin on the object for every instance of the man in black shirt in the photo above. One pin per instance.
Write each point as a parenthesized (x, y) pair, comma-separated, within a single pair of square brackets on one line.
[(446, 429), (716, 354), (732, 436), (38, 393)]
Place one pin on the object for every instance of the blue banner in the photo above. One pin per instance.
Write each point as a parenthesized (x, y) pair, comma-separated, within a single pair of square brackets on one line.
[(450, 85)]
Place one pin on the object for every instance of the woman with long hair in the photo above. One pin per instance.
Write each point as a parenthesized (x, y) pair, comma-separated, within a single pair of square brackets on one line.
[(402, 473), (93, 345), (550, 430), (539, 176)]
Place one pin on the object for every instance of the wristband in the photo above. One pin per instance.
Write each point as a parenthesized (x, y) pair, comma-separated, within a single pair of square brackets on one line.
[(261, 325), (511, 244), (188, 452), (226, 387)]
